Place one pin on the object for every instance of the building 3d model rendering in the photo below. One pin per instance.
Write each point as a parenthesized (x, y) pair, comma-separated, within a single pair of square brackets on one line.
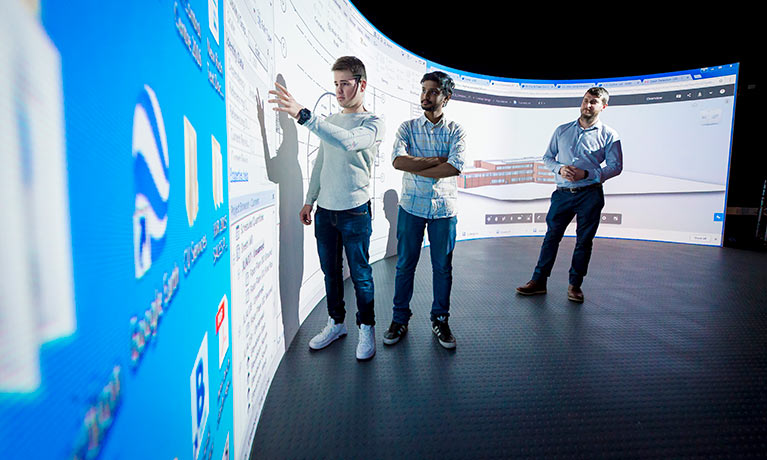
[(500, 172)]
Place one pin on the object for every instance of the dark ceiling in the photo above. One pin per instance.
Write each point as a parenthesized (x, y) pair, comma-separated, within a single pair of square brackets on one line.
[(538, 40), (535, 40)]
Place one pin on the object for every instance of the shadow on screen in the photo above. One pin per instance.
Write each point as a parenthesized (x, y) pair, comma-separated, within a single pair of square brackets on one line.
[(285, 171), (390, 205)]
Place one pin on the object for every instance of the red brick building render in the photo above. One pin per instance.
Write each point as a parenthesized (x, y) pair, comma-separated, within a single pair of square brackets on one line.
[(501, 172)]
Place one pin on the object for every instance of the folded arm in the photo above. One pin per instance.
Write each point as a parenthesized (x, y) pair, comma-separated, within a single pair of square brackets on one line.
[(413, 164), (453, 163), (439, 172), (433, 167)]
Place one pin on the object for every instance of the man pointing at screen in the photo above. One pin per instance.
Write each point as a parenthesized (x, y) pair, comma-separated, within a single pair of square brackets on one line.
[(575, 154), (340, 185)]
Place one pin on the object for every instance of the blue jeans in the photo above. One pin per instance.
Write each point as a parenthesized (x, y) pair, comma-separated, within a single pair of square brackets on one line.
[(410, 231), (350, 230), (587, 206)]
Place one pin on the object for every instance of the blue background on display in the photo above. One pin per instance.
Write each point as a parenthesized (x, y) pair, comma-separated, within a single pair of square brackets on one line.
[(109, 51)]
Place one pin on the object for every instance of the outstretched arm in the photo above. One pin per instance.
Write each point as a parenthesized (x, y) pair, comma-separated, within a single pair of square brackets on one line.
[(350, 140), (361, 137)]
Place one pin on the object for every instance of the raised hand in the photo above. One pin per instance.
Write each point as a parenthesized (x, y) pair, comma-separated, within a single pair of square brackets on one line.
[(284, 100)]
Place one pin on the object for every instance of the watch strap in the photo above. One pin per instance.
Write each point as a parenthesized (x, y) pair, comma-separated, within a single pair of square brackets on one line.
[(304, 115)]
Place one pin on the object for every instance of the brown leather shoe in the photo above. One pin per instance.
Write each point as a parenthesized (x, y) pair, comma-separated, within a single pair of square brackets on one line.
[(533, 287), (574, 293)]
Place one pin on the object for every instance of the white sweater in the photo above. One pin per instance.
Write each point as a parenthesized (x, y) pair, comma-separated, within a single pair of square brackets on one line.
[(341, 175)]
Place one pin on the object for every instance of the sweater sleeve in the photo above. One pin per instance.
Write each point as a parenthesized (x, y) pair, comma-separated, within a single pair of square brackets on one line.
[(314, 182), (362, 137)]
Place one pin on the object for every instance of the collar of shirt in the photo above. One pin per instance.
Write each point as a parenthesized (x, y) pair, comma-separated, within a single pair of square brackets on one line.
[(596, 126), (423, 121)]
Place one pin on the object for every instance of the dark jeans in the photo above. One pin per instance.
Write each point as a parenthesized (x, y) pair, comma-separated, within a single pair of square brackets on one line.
[(350, 230), (410, 230), (587, 206)]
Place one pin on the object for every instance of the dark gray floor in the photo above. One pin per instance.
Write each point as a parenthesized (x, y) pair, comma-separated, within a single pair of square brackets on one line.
[(667, 358)]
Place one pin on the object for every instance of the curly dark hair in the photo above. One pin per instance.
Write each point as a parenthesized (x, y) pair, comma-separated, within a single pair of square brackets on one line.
[(442, 79)]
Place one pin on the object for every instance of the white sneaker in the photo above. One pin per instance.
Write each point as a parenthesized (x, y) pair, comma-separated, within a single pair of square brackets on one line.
[(329, 334), (366, 348)]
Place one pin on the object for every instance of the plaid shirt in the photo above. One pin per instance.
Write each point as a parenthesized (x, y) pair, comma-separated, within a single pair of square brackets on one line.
[(423, 196)]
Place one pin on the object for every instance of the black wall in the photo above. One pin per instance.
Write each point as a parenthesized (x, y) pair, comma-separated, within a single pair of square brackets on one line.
[(543, 41)]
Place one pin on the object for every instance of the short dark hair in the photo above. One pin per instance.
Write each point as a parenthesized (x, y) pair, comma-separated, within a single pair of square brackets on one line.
[(353, 65), (599, 92), (442, 79)]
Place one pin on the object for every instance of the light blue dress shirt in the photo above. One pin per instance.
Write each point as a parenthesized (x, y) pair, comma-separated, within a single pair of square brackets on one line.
[(424, 196), (571, 145)]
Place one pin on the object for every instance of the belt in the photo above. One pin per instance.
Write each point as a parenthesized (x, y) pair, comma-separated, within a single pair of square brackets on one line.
[(579, 189)]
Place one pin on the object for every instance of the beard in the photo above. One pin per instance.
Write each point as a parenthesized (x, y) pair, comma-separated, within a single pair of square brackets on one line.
[(588, 116), (427, 106)]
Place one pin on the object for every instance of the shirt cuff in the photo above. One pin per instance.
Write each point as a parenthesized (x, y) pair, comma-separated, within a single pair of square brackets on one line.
[(311, 122), (398, 153), (456, 163)]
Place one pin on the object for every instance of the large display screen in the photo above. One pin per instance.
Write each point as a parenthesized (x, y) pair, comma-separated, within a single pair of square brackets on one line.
[(154, 269), (675, 131)]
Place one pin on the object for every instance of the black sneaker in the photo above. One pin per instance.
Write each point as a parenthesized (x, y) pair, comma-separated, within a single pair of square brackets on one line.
[(442, 331), (396, 331)]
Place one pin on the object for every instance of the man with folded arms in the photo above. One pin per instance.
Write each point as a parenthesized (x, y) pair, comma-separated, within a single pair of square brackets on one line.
[(430, 151)]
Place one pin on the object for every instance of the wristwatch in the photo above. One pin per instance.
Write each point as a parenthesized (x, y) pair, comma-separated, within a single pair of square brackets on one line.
[(304, 115), (587, 173)]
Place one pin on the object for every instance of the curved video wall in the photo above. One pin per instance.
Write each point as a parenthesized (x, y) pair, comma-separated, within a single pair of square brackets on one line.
[(154, 268)]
